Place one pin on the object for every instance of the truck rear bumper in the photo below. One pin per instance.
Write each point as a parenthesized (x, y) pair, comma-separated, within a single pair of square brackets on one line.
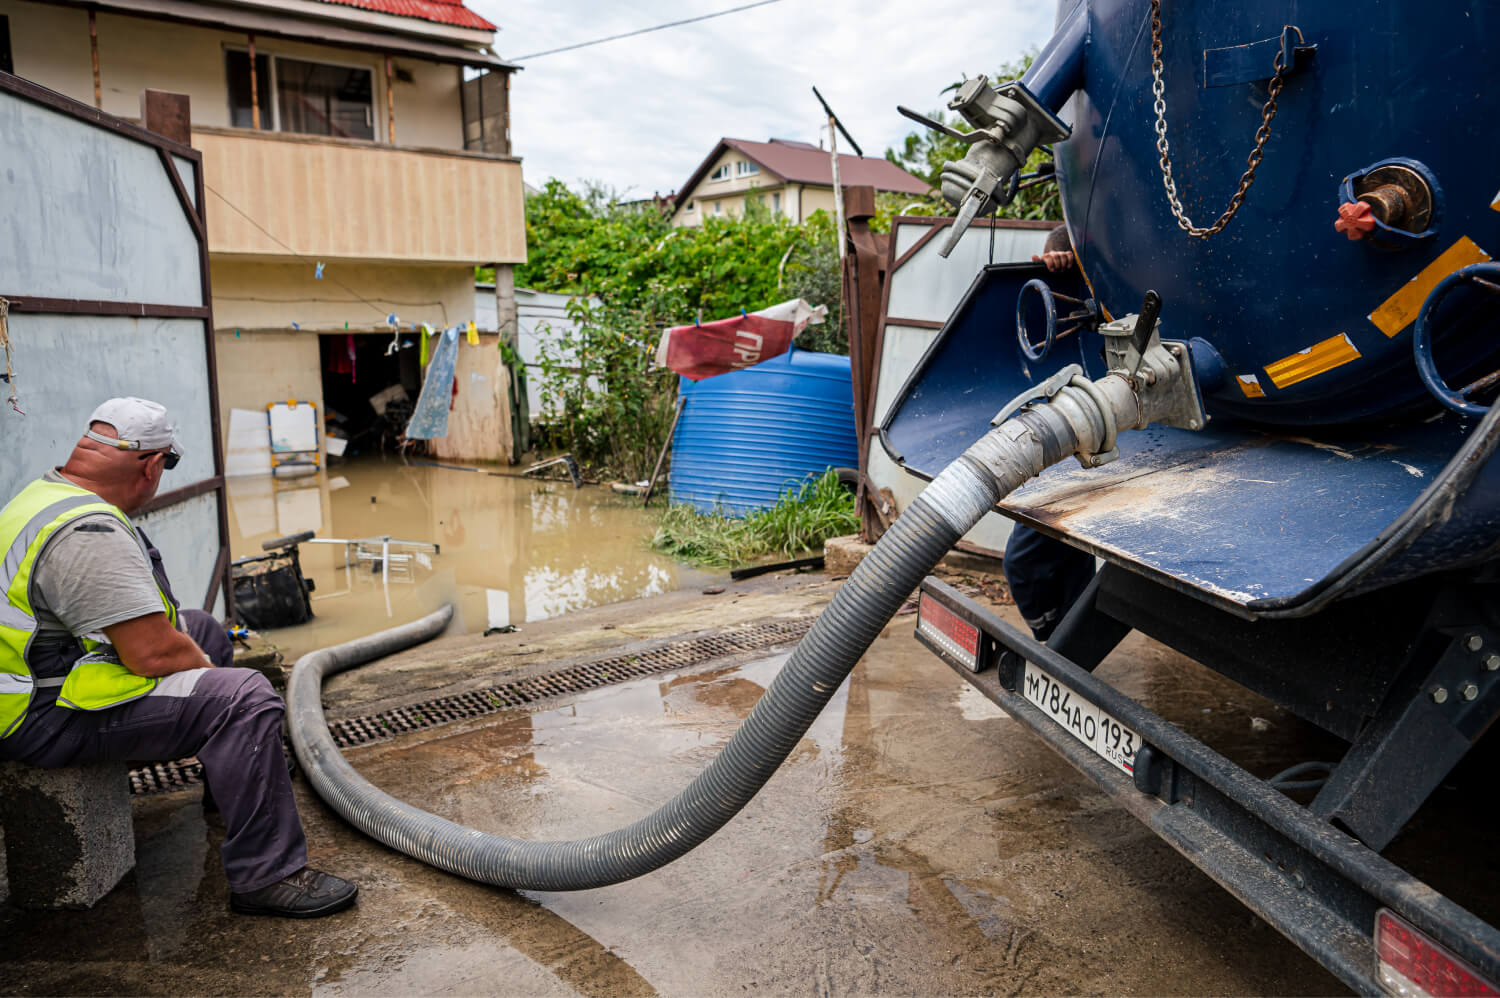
[(1319, 887)]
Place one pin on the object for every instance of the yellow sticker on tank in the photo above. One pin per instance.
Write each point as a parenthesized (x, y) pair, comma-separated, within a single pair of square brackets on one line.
[(1309, 363), (1250, 385), (1400, 309)]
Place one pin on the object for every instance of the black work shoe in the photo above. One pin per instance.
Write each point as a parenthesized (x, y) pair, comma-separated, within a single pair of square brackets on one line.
[(308, 893)]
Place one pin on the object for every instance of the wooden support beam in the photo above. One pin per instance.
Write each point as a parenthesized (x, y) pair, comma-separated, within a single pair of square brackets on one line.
[(254, 88), (390, 102), (94, 57)]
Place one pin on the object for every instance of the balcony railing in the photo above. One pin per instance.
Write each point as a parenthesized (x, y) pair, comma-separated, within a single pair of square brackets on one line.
[(277, 195)]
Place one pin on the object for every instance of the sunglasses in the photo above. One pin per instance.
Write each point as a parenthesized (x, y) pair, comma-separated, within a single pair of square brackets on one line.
[(170, 458)]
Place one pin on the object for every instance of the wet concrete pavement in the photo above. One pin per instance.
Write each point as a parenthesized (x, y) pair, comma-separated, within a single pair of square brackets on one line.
[(917, 842)]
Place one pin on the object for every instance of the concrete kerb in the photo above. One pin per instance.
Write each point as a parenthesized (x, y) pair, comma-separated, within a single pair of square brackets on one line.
[(68, 833)]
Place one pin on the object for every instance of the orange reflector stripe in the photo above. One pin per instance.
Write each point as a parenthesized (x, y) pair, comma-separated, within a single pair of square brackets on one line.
[(1250, 385), (1309, 363), (1400, 309), (951, 632)]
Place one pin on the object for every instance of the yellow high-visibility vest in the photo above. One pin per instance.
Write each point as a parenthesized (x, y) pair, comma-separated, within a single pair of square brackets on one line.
[(95, 681)]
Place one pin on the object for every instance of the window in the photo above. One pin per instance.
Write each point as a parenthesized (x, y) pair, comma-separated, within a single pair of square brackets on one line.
[(6, 65), (324, 100), (237, 67), (718, 207), (692, 205), (744, 168), (722, 173), (776, 204), (310, 98)]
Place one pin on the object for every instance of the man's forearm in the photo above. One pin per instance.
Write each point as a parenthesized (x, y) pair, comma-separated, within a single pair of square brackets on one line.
[(177, 654)]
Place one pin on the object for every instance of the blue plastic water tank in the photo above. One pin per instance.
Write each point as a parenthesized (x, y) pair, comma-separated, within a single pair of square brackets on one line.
[(747, 436)]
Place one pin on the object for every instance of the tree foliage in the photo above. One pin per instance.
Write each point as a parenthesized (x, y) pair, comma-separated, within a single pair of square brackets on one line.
[(603, 398), (924, 152)]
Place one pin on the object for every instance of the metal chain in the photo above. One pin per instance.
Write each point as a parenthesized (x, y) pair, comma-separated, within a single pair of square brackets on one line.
[(1261, 135)]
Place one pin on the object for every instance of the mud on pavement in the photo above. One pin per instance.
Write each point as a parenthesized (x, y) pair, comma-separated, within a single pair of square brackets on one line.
[(918, 841)]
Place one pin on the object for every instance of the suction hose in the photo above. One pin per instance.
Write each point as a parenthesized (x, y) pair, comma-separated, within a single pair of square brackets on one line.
[(1007, 456)]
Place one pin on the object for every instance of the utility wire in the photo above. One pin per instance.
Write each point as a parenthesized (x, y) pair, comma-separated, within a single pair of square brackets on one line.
[(643, 31)]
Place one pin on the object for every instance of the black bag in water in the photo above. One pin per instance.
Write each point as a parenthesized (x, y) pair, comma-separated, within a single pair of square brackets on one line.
[(269, 591)]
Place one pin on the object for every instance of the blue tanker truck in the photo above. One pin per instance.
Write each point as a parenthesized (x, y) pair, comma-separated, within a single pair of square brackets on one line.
[(1264, 400)]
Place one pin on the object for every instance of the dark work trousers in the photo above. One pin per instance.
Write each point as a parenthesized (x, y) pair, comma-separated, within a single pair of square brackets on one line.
[(230, 719), (1046, 577)]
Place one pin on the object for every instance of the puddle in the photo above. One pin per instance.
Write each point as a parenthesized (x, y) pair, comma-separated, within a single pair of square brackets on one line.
[(510, 550)]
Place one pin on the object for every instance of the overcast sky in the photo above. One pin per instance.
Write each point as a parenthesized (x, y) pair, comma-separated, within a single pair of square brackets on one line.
[(641, 113)]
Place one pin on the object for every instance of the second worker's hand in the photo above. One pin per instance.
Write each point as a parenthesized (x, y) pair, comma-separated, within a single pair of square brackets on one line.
[(1055, 261)]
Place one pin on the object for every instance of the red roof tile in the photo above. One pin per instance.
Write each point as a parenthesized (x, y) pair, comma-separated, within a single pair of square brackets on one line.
[(441, 11)]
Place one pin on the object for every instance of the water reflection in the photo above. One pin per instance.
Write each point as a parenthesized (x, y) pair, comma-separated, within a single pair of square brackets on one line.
[(511, 550)]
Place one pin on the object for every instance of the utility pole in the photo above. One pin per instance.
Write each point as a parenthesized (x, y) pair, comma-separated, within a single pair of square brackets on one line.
[(835, 126)]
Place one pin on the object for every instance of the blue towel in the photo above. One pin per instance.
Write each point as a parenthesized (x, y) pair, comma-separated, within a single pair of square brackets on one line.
[(430, 417)]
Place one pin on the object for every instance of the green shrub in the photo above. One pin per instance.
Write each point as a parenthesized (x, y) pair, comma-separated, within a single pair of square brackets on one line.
[(802, 519)]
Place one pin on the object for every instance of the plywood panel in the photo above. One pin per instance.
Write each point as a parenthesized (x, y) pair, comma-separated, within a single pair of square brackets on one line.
[(479, 426), (349, 200)]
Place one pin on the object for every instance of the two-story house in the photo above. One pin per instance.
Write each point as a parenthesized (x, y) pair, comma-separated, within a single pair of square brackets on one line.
[(357, 165), (790, 179)]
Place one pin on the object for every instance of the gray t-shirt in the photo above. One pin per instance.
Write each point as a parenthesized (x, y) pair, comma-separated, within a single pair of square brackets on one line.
[(92, 573)]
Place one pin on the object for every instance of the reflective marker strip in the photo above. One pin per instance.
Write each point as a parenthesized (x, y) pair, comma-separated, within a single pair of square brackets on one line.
[(1495, 204), (1250, 385), (1309, 363), (1400, 309)]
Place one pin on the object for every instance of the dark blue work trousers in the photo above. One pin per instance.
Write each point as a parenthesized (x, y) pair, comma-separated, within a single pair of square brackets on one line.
[(230, 719), (1046, 577)]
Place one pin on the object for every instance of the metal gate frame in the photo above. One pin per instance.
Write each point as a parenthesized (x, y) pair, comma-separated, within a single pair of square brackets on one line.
[(197, 219)]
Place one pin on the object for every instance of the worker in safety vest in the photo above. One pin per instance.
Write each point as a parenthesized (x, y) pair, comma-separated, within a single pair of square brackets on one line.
[(97, 661)]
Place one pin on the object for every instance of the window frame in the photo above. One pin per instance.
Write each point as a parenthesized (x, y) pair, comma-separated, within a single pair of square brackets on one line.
[(723, 168), (273, 93), (745, 168)]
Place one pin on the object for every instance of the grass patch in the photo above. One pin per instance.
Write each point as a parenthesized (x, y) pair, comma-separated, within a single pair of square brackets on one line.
[(800, 522)]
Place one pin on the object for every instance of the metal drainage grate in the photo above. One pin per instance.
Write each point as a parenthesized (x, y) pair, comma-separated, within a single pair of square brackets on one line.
[(353, 731)]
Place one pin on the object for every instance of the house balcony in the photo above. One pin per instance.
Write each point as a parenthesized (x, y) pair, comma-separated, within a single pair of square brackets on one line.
[(276, 196)]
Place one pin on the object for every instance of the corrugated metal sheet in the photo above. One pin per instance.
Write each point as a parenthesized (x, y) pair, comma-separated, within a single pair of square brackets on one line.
[(747, 436), (442, 11)]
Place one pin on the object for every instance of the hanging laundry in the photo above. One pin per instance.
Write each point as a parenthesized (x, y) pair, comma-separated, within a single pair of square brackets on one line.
[(318, 272), (473, 334), (422, 346), (429, 419)]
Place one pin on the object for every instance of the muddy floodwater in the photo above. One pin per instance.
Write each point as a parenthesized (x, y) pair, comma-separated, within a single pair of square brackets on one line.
[(510, 550)]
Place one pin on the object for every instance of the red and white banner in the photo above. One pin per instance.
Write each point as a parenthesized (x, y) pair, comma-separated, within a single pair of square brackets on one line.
[(698, 352)]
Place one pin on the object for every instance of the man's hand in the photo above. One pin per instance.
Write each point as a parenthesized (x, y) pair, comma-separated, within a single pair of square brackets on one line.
[(1056, 261), (150, 646)]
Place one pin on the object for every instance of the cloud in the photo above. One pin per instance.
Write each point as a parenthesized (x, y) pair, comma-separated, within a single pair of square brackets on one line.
[(639, 114)]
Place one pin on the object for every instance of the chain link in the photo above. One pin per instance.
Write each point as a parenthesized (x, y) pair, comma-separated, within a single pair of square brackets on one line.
[(1158, 88)]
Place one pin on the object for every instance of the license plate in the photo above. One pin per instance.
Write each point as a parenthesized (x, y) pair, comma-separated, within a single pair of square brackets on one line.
[(1106, 736)]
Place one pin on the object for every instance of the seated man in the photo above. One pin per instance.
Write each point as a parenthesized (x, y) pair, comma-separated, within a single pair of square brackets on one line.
[(95, 664)]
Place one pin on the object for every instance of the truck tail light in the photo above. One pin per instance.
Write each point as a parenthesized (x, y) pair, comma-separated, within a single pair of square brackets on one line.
[(1413, 965), (949, 631)]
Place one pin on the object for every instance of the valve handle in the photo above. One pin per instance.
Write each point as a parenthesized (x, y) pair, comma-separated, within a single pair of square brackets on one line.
[(1036, 354), (1145, 323), (967, 138), (1483, 274)]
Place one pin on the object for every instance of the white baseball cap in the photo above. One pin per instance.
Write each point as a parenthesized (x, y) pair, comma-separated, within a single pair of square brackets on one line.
[(141, 425)]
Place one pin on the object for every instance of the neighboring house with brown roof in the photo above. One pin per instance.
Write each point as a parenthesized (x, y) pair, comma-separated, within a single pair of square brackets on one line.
[(792, 179), (357, 163)]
